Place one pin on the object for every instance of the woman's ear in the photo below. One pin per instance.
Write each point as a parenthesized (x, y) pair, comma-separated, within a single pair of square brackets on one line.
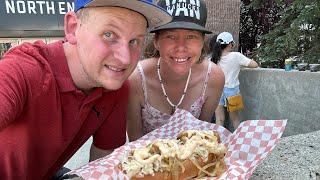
[(70, 26), (156, 44)]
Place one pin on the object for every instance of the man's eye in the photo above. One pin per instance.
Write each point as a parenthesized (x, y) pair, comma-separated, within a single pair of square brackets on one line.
[(136, 43), (133, 42), (109, 35)]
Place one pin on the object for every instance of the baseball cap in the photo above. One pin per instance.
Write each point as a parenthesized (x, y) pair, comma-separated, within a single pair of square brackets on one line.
[(225, 38), (187, 14), (155, 15)]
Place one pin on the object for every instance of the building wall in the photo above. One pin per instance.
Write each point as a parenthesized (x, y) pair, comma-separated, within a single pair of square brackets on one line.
[(224, 15), (276, 94)]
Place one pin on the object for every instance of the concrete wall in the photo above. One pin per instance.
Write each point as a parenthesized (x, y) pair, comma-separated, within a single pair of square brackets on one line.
[(276, 94)]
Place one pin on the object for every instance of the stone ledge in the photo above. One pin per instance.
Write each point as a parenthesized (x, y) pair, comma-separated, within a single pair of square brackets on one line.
[(294, 158)]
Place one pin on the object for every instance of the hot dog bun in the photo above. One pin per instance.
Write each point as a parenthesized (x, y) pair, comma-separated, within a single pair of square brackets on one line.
[(193, 154)]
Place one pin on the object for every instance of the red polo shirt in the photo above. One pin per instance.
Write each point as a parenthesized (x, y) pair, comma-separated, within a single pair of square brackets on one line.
[(44, 118)]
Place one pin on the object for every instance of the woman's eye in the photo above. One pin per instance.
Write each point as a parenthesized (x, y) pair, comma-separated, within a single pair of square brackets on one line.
[(191, 37), (171, 37)]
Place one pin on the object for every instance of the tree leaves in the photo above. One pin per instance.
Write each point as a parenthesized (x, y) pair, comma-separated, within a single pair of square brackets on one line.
[(295, 34)]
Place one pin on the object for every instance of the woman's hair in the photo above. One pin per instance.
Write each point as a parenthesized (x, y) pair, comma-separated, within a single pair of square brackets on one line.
[(150, 51), (215, 47)]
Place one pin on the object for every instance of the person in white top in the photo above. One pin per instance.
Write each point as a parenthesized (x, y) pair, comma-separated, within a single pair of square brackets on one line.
[(176, 73), (230, 63)]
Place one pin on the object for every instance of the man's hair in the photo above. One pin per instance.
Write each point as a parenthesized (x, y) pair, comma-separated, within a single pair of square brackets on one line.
[(83, 14)]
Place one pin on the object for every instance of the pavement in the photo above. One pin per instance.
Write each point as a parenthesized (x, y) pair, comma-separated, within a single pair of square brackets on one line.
[(81, 157), (294, 158)]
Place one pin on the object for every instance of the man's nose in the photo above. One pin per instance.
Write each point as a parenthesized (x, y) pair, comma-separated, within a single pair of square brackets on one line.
[(122, 53)]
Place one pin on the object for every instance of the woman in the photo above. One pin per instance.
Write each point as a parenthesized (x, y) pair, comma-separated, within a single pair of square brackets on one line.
[(230, 63), (177, 76)]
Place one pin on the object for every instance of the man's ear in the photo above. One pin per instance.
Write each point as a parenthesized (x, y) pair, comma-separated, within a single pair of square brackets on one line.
[(70, 26)]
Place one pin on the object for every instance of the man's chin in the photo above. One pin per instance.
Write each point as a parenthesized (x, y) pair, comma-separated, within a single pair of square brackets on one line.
[(113, 86)]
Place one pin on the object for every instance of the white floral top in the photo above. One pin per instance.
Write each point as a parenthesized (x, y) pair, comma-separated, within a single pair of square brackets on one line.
[(152, 118)]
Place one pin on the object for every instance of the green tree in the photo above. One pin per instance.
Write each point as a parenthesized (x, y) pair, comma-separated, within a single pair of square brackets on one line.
[(297, 33)]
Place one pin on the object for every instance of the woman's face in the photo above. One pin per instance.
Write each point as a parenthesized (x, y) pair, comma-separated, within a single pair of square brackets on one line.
[(180, 49)]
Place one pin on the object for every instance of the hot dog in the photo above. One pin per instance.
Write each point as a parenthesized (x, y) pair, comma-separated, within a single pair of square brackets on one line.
[(194, 154)]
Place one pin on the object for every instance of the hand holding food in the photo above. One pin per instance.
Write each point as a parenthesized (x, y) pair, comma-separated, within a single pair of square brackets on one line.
[(193, 154)]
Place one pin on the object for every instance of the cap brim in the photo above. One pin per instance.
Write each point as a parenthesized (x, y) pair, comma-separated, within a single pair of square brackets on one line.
[(155, 15), (182, 25)]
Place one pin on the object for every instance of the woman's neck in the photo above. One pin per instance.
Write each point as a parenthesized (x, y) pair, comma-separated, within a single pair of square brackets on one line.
[(170, 76)]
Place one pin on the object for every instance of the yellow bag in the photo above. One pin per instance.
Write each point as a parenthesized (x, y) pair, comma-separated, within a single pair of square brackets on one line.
[(234, 103)]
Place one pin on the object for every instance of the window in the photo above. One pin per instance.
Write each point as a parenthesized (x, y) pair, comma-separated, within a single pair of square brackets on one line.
[(6, 44)]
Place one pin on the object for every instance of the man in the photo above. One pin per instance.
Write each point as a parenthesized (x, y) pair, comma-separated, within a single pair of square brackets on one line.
[(54, 97)]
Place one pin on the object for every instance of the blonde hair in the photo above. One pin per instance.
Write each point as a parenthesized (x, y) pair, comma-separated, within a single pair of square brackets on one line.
[(83, 14)]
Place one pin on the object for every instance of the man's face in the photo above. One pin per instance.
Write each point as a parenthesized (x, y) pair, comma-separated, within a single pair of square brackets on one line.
[(109, 45)]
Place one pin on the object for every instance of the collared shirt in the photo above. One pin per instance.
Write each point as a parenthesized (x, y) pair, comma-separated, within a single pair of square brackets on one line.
[(44, 118)]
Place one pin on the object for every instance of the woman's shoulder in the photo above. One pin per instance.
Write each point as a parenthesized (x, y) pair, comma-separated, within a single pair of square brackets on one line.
[(236, 54), (148, 65), (145, 72), (216, 76)]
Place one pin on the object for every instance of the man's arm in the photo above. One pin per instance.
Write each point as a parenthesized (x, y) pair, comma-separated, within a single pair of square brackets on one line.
[(13, 88), (96, 153)]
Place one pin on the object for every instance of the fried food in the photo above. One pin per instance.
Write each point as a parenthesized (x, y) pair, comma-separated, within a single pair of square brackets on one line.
[(194, 154)]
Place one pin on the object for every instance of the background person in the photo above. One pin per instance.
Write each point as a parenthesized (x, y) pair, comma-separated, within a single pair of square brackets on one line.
[(54, 97), (177, 76), (230, 62)]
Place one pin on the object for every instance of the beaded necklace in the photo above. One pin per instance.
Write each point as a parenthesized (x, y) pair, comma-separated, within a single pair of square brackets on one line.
[(174, 106)]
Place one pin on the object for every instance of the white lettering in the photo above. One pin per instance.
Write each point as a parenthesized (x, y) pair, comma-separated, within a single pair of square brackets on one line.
[(21, 7), (38, 7), (32, 7), (41, 3), (10, 7), (181, 7), (192, 8), (61, 8), (70, 6), (50, 8)]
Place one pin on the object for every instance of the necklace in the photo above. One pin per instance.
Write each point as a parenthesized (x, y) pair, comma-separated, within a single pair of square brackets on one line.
[(174, 106)]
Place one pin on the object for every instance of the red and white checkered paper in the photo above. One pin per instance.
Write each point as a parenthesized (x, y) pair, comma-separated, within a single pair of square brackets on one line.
[(251, 142)]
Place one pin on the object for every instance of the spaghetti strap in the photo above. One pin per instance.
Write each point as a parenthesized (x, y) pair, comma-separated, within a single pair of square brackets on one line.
[(206, 80), (143, 82)]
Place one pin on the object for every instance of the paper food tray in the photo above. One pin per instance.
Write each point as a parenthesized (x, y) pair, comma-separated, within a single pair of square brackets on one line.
[(250, 143)]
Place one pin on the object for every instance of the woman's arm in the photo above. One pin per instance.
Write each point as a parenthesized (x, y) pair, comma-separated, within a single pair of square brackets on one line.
[(253, 64), (213, 93), (134, 122)]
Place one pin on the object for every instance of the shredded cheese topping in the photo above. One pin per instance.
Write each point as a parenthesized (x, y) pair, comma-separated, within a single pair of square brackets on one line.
[(167, 154)]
